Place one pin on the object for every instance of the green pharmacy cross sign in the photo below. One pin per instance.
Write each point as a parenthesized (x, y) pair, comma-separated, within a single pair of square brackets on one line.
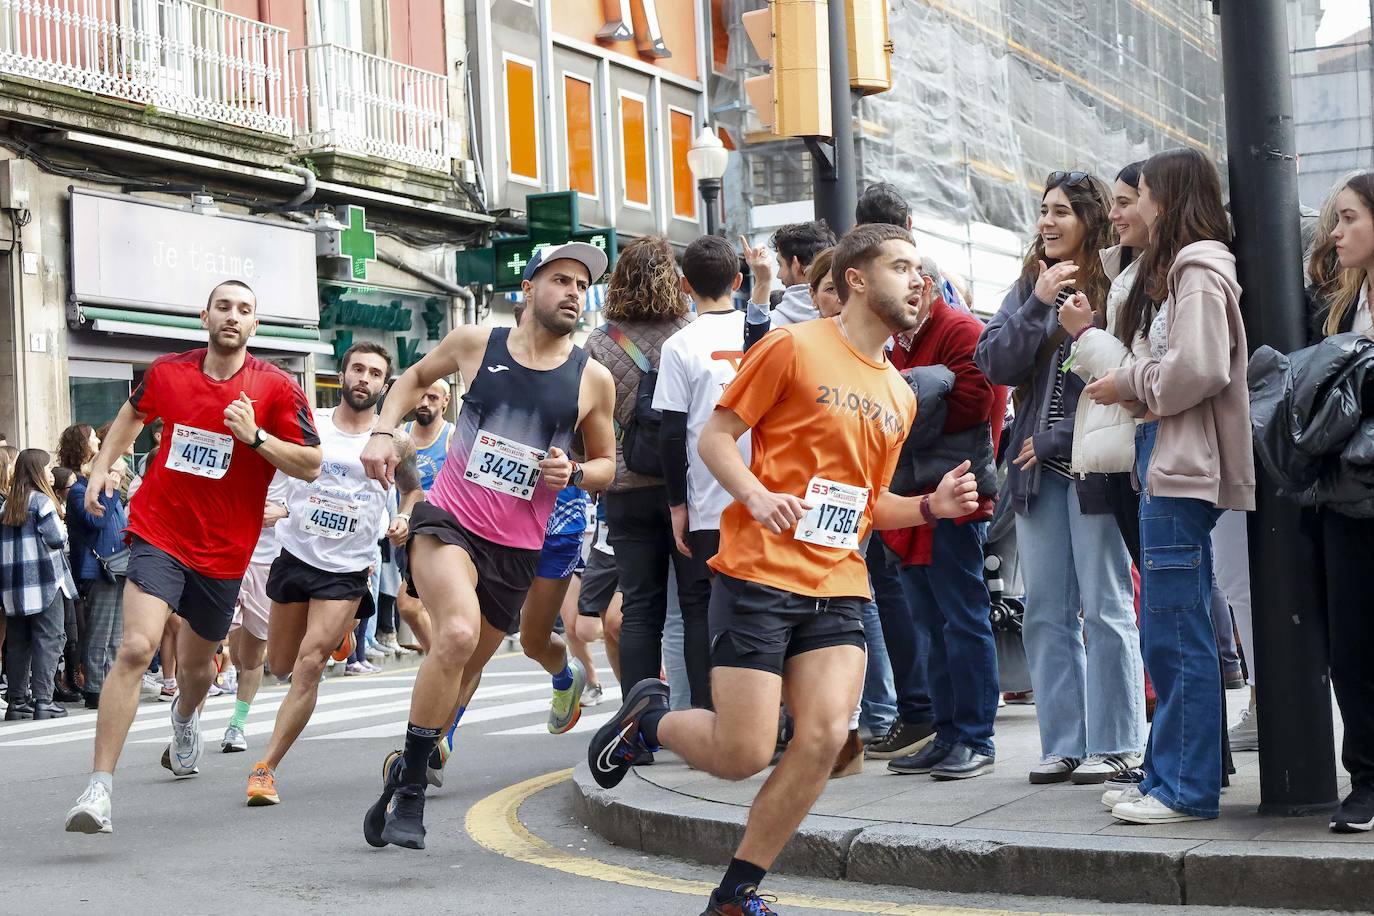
[(357, 242), (553, 220)]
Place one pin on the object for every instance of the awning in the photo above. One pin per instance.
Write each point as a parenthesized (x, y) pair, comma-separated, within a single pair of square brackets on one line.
[(281, 338)]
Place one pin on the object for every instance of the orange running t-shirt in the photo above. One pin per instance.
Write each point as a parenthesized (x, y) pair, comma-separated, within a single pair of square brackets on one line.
[(816, 408)]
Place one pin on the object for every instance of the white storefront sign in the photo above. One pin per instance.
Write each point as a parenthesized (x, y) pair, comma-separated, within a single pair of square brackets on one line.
[(163, 258)]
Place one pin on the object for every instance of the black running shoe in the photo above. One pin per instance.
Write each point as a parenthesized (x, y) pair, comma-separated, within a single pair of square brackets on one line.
[(748, 903), (374, 822), (1356, 813), (1125, 779), (616, 744), (405, 822)]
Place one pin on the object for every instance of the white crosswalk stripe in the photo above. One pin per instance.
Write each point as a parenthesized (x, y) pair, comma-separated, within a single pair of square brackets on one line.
[(355, 709)]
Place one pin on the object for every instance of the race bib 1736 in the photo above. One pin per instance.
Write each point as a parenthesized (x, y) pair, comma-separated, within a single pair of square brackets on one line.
[(199, 452), (503, 465), (835, 513)]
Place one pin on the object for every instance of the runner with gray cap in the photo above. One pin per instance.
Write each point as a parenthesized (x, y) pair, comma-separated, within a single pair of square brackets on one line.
[(476, 541)]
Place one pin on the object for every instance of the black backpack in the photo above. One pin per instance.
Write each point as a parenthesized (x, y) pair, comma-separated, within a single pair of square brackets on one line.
[(639, 439)]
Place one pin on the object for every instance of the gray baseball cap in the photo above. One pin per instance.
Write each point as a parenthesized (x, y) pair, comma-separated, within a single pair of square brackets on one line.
[(591, 257)]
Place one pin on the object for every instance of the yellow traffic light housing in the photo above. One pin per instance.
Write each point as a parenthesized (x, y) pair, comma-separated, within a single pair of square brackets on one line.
[(793, 100), (870, 46)]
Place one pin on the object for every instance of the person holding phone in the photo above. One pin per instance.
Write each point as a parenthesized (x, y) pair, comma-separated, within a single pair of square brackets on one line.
[(1091, 696)]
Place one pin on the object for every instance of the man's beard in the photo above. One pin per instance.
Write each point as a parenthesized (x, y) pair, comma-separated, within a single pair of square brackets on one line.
[(361, 402), (893, 312), (224, 349), (424, 417), (557, 321)]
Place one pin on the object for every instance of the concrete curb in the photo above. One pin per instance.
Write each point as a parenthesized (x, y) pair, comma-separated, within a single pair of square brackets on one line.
[(1113, 869)]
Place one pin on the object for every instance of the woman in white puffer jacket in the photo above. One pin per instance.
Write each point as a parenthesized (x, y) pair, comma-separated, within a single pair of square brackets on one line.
[(1104, 435)]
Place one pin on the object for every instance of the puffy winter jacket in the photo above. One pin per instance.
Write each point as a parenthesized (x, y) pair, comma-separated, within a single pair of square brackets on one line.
[(1104, 434)]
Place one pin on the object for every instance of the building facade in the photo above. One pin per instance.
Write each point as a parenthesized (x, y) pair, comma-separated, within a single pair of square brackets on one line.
[(318, 150)]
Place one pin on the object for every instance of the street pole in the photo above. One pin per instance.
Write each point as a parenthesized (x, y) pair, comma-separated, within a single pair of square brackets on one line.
[(833, 163), (1297, 756), (709, 188)]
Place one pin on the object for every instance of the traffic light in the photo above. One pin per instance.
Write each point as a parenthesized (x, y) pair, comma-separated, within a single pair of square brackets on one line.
[(793, 100), (870, 46)]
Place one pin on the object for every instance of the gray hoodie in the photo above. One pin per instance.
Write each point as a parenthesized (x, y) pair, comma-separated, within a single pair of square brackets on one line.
[(795, 306)]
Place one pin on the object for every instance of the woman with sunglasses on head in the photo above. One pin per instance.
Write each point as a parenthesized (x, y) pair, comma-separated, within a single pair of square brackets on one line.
[(1194, 460), (1090, 699)]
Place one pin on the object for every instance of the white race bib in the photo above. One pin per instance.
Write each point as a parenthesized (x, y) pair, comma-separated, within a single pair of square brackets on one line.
[(835, 513), (198, 452), (329, 516), (503, 465)]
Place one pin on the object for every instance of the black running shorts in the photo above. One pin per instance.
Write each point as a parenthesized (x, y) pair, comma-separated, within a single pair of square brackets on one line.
[(504, 574), (599, 583), (206, 604), (756, 626), (294, 581)]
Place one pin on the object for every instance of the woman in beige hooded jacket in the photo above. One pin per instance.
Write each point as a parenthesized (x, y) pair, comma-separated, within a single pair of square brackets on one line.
[(1193, 459)]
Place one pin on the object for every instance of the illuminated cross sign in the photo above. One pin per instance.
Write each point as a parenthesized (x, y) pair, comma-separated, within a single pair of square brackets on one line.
[(552, 220), (357, 242)]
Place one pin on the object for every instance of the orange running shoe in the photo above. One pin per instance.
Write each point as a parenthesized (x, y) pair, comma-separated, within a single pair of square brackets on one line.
[(262, 786), (345, 650)]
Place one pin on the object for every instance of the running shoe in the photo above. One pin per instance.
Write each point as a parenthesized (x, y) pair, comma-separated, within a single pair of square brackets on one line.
[(567, 704), (397, 817), (345, 648), (168, 691), (616, 744), (371, 668), (1019, 697), (234, 740), (262, 786), (355, 668), (592, 696), (373, 654), (747, 903), (183, 754), (91, 814)]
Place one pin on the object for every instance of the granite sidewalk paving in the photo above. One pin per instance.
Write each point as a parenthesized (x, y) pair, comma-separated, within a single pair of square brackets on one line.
[(1000, 834)]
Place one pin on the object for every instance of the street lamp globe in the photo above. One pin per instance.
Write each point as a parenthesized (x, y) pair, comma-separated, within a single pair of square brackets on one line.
[(707, 157)]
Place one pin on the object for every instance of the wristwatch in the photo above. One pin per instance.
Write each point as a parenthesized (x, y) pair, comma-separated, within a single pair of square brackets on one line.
[(575, 479), (259, 438)]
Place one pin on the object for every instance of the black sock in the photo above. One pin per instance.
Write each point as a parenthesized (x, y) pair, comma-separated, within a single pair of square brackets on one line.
[(648, 726), (739, 875), (420, 742)]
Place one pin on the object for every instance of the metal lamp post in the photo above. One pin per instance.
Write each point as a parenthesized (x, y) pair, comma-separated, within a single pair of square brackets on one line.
[(708, 159)]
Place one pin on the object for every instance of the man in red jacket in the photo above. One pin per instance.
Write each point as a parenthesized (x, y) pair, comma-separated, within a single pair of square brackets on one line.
[(942, 565)]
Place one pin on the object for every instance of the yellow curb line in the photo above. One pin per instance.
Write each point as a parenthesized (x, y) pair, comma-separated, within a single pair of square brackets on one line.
[(494, 823)]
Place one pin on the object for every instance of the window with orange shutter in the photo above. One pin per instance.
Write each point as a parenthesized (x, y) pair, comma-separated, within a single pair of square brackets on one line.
[(684, 186), (579, 112), (634, 149), (522, 121)]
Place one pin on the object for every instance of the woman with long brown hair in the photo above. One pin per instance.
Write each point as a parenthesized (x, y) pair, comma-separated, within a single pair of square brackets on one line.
[(1089, 698), (1194, 459), (34, 584), (645, 306)]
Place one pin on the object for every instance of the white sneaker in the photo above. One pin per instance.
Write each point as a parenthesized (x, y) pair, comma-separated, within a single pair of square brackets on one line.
[(1099, 768), (1150, 810), (182, 756), (1113, 797), (373, 654), (151, 688), (1244, 735), (91, 814), (1054, 769), (593, 695)]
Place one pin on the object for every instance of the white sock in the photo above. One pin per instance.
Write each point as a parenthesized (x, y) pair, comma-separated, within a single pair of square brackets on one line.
[(104, 779)]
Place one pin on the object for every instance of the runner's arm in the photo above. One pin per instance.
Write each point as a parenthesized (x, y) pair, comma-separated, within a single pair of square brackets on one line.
[(123, 431), (407, 475), (775, 511), (598, 434), (955, 497)]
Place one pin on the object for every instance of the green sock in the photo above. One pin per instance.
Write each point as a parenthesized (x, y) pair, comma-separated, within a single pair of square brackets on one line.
[(240, 717)]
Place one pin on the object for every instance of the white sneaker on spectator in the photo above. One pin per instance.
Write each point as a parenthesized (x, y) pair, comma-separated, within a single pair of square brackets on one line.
[(374, 654), (1150, 810), (1053, 769), (1113, 797), (1244, 735), (355, 668), (1099, 768)]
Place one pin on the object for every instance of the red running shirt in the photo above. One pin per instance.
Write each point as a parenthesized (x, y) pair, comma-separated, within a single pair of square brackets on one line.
[(201, 500)]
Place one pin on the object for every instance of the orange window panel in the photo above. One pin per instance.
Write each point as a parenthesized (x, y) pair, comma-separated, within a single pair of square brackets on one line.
[(634, 150), (578, 110), (521, 119), (684, 188)]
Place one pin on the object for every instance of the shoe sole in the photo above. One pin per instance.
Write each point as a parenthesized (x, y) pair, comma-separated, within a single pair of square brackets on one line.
[(1244, 745), (262, 801), (87, 823), (233, 748), (1089, 779), (405, 841), (167, 764), (1150, 821), (914, 748), (374, 821), (946, 776), (575, 706), (610, 734), (1049, 779), (1347, 827)]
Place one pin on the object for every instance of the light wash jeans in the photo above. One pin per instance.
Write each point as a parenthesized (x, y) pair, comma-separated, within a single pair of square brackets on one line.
[(878, 706), (1231, 563), (679, 691), (1088, 699)]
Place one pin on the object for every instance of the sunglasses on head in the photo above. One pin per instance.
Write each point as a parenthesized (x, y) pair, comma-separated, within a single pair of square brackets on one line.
[(1070, 179)]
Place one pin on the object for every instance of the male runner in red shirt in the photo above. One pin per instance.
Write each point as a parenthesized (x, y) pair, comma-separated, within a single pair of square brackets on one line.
[(230, 421)]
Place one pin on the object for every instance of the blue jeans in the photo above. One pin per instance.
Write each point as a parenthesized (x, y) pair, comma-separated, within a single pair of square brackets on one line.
[(1183, 757), (1088, 699), (949, 600), (878, 707), (907, 646)]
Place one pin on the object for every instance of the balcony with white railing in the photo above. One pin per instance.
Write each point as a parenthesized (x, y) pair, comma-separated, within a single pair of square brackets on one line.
[(176, 56), (360, 103)]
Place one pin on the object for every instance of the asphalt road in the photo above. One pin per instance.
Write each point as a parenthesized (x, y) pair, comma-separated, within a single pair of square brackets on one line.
[(497, 842)]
